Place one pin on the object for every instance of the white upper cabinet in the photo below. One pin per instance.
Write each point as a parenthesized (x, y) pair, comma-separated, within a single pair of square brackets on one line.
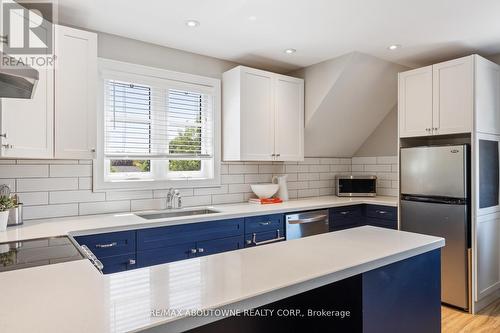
[(438, 99), (487, 96), (75, 93), (263, 116), (453, 101), (289, 119), (27, 124), (415, 102)]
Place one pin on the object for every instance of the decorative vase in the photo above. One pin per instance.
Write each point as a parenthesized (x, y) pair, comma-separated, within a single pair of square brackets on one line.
[(4, 217)]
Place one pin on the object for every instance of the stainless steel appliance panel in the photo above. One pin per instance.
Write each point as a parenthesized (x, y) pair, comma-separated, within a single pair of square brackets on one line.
[(434, 171), (306, 224), (450, 222)]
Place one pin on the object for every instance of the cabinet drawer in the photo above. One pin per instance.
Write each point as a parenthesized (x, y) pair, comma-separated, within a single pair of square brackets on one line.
[(262, 237), (264, 223), (109, 244), (161, 237), (165, 254), (118, 263), (341, 217), (205, 248), (382, 212), (383, 223)]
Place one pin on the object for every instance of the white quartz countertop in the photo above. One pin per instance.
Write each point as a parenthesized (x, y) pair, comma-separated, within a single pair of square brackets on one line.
[(75, 297), (106, 223)]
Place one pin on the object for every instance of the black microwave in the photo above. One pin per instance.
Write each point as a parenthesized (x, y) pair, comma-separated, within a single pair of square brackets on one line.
[(356, 186)]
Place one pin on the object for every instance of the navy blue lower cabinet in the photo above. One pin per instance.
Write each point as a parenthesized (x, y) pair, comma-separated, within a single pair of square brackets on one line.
[(166, 254), (390, 224), (110, 243), (118, 263), (345, 217), (404, 296), (213, 246), (264, 237)]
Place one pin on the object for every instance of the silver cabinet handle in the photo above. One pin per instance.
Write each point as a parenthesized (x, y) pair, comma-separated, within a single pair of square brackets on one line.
[(104, 246), (344, 213), (381, 212), (435, 128), (193, 251), (309, 220), (92, 150), (93, 259), (131, 261), (7, 146), (265, 223), (3, 135), (201, 250), (278, 155), (273, 155), (254, 239)]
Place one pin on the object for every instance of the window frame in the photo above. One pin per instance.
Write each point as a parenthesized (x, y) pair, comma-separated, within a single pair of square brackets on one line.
[(150, 76)]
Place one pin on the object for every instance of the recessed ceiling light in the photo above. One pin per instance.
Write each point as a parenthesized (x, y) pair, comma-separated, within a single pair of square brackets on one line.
[(252, 18), (394, 47), (290, 51), (192, 23)]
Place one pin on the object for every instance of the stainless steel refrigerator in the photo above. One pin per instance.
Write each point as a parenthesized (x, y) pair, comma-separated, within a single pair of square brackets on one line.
[(435, 201)]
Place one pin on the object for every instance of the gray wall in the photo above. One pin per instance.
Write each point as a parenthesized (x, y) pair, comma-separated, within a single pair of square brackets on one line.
[(384, 140), (137, 52)]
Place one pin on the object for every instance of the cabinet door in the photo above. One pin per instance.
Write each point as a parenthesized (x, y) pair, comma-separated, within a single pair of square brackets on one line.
[(28, 124), (75, 92), (415, 102), (487, 96), (488, 255), (453, 89), (205, 248), (289, 119), (257, 115)]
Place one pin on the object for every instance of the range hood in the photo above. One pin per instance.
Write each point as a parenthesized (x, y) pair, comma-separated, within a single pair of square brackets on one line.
[(16, 81)]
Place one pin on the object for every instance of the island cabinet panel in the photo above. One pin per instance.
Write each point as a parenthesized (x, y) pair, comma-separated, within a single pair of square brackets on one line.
[(118, 263), (401, 297), (208, 247), (166, 254), (404, 296), (266, 229)]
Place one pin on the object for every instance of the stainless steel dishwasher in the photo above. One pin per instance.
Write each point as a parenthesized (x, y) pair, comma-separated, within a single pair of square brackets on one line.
[(305, 224)]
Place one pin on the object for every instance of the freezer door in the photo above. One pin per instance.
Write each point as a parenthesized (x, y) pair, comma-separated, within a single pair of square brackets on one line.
[(434, 171), (449, 222)]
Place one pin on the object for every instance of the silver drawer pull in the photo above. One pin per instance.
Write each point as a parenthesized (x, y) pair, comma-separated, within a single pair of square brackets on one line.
[(344, 213), (254, 239), (309, 220), (104, 246), (93, 259), (193, 251), (381, 212), (265, 223), (131, 261), (201, 250)]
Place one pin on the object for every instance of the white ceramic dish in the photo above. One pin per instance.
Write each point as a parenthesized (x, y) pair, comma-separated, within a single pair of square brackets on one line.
[(264, 191)]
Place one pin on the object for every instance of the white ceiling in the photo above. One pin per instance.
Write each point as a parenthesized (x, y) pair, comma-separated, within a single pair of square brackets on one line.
[(428, 30)]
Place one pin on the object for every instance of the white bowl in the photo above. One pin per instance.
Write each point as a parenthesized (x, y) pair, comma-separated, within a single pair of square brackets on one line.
[(264, 191)]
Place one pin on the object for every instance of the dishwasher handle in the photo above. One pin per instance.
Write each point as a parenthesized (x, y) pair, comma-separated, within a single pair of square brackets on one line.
[(309, 220)]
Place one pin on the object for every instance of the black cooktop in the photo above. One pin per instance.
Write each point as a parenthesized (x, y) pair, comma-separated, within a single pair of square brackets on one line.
[(37, 252)]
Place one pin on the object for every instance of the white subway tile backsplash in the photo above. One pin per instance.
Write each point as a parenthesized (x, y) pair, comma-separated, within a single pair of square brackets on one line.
[(148, 204), (24, 171), (34, 198), (79, 170), (49, 211), (129, 195), (57, 197), (64, 187), (364, 160), (88, 208), (46, 184)]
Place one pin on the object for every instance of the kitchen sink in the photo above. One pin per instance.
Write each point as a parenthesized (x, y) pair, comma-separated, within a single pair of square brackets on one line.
[(176, 213)]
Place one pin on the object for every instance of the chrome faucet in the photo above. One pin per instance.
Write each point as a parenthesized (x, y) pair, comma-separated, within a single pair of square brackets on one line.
[(174, 195)]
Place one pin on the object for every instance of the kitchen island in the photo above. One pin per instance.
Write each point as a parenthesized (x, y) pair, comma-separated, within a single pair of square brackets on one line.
[(388, 280)]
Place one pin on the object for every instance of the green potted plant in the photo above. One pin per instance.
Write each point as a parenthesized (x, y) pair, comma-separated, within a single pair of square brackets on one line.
[(6, 203)]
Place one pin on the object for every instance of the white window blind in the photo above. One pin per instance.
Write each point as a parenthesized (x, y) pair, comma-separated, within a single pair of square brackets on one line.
[(157, 122)]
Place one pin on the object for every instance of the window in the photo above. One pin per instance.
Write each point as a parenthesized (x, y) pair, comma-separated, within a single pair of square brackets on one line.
[(158, 127)]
